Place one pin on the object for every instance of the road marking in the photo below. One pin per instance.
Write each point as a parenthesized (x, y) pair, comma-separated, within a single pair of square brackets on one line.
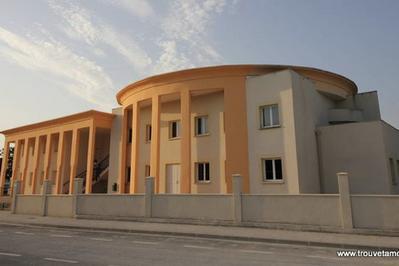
[(145, 242), (61, 260), (10, 254), (322, 257), (100, 239), (199, 247), (24, 233), (256, 251), (60, 236)]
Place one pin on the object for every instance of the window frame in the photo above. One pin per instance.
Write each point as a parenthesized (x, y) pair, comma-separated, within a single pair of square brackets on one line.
[(197, 165), (263, 165), (261, 116), (178, 131), (206, 133)]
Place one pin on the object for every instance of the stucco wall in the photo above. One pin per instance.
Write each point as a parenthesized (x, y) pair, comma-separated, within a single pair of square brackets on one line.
[(310, 110), (208, 148), (275, 88), (188, 206), (356, 148), (59, 205), (29, 204), (378, 212), (169, 148), (111, 205), (391, 141), (367, 102), (292, 209)]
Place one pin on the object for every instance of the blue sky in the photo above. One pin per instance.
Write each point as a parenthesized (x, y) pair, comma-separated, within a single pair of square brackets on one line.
[(63, 57)]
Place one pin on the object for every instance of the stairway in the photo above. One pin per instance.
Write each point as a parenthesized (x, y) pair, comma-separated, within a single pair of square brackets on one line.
[(99, 180)]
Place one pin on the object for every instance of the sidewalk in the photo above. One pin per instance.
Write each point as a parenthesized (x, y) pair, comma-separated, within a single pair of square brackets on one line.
[(338, 240)]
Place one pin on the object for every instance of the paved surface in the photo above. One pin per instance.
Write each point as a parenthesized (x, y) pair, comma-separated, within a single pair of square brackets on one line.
[(217, 232), (21, 245)]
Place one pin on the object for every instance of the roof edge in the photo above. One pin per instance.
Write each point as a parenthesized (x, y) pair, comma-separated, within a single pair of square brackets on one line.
[(247, 67), (76, 116)]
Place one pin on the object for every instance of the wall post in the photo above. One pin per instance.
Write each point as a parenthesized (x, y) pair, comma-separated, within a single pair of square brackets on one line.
[(15, 192), (149, 193), (45, 190), (237, 191), (345, 201), (77, 189)]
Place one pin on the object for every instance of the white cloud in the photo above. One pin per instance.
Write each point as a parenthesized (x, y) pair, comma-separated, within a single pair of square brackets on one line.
[(81, 76), (140, 8), (184, 41), (81, 25)]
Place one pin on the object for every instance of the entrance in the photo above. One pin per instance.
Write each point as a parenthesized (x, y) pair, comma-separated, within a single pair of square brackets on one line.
[(173, 178)]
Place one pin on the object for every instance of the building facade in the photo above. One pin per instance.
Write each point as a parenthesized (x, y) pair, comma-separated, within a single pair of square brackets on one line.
[(285, 129)]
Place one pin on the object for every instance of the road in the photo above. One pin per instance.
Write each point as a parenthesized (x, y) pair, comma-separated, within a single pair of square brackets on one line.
[(48, 246)]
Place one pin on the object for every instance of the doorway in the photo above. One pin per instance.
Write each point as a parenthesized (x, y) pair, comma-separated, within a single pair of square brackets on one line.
[(173, 178)]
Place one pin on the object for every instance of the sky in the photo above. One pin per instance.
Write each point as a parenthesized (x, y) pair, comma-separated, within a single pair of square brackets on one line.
[(62, 57)]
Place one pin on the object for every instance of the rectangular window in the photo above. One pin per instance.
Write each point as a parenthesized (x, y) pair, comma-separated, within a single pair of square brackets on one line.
[(147, 170), (128, 174), (201, 125), (130, 135), (272, 169), (269, 116), (392, 168), (148, 133), (202, 172), (174, 129)]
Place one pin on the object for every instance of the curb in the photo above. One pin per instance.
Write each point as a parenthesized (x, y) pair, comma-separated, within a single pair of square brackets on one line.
[(209, 236)]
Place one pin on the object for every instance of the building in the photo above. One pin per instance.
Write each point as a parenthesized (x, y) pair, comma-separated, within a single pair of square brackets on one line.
[(285, 129)]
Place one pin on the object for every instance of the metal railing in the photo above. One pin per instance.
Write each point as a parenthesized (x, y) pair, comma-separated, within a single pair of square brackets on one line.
[(97, 171)]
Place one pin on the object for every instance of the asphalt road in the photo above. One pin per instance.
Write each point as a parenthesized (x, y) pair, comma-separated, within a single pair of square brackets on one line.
[(46, 246)]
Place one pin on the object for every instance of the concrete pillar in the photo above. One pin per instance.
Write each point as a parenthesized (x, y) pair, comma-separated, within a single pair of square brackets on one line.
[(60, 162), (149, 193), (4, 167), (122, 156), (237, 191), (185, 109), (15, 164), (155, 117), (135, 147), (345, 201), (46, 189), (25, 166), (15, 191), (35, 164), (90, 157), (77, 189), (74, 158)]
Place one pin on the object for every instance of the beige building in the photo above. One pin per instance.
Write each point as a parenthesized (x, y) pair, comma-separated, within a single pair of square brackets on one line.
[(285, 129)]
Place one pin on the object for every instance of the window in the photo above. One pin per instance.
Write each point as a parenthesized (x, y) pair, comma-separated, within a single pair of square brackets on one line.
[(201, 125), (174, 129), (128, 172), (202, 172), (147, 170), (148, 133), (397, 167), (272, 169), (392, 168), (130, 135), (269, 116)]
